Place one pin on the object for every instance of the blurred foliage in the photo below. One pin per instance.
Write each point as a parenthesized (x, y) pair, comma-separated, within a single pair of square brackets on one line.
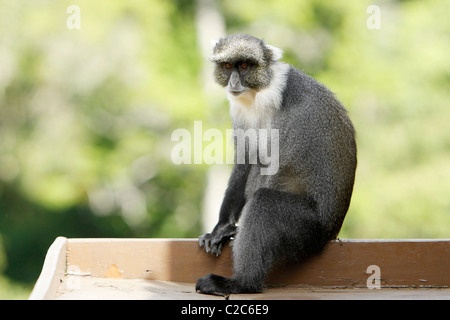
[(86, 116)]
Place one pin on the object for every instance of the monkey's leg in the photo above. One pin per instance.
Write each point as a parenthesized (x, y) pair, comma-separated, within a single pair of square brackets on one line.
[(276, 226)]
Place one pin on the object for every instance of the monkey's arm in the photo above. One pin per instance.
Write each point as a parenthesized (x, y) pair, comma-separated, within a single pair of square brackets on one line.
[(230, 211)]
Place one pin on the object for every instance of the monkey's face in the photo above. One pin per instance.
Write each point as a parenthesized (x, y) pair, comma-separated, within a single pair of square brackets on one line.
[(243, 63)]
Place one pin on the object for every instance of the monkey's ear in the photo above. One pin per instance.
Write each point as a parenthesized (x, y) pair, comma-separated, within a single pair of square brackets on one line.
[(213, 43), (277, 53)]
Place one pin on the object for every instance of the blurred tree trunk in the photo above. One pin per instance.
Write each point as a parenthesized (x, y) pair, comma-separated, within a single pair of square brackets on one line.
[(211, 26)]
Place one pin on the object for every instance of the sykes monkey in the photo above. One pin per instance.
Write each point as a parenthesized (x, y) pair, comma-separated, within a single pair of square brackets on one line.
[(293, 213)]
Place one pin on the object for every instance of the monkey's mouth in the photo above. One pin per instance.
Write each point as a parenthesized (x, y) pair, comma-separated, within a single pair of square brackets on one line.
[(236, 93)]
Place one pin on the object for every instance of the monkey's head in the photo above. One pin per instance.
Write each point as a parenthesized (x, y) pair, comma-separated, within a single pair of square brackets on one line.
[(243, 63)]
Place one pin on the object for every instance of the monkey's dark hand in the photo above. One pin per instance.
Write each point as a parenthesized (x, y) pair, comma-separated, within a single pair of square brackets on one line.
[(214, 241)]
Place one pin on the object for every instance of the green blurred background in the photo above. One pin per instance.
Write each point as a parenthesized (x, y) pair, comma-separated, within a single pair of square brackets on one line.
[(86, 115)]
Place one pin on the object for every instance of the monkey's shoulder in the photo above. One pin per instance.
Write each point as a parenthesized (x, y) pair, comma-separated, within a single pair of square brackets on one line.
[(301, 88), (304, 96)]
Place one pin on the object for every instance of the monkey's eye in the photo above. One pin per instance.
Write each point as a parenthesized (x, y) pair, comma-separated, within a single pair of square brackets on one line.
[(244, 65), (228, 65)]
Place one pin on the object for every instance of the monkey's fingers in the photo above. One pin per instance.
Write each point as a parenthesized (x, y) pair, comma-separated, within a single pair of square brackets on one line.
[(205, 241), (212, 243), (201, 241), (216, 248)]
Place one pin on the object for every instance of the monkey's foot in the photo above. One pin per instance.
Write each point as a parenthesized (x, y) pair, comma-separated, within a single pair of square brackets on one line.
[(214, 284), (218, 285)]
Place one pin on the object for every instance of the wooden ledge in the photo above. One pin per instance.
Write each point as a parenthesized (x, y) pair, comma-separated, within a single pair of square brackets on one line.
[(343, 263)]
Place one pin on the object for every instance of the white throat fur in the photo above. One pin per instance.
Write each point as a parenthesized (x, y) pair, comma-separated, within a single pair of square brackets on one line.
[(254, 109)]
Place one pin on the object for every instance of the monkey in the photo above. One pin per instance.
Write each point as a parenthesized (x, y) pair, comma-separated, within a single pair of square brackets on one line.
[(292, 214)]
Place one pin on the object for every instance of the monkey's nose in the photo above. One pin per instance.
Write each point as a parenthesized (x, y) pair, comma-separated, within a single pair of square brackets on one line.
[(234, 79)]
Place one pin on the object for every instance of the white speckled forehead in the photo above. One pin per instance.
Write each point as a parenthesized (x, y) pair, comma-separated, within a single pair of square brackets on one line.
[(237, 48)]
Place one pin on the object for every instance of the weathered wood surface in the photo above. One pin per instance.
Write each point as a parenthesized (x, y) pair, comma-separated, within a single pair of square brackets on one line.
[(343, 264)]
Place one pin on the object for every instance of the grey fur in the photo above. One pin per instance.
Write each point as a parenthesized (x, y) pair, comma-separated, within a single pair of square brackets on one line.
[(292, 214)]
